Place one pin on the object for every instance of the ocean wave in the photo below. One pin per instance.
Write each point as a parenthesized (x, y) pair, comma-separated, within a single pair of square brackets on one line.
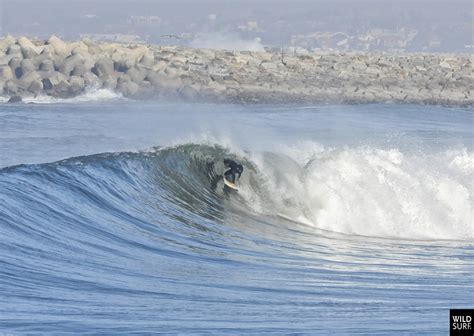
[(361, 191)]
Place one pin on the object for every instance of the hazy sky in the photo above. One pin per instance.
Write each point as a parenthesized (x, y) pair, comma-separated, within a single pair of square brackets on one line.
[(274, 21)]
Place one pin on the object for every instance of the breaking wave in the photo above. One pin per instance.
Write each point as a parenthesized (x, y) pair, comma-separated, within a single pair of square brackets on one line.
[(362, 191)]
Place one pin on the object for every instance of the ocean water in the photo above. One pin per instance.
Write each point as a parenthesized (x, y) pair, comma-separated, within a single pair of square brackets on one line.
[(349, 219)]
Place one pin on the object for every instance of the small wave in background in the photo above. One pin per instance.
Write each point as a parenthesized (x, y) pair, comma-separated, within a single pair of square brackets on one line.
[(91, 94)]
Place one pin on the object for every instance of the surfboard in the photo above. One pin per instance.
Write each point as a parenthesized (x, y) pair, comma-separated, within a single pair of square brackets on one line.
[(229, 184)]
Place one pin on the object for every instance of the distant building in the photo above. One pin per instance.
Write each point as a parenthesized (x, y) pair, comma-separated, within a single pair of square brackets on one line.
[(321, 40), (118, 38), (144, 20), (250, 26), (386, 39)]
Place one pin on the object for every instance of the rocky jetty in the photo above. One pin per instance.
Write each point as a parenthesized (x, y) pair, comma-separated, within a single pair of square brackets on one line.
[(65, 69)]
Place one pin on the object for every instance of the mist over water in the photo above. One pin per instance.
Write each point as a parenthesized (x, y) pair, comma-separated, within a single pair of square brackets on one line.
[(341, 210), (226, 41)]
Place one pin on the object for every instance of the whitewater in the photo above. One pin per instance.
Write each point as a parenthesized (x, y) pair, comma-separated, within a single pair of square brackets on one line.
[(350, 219)]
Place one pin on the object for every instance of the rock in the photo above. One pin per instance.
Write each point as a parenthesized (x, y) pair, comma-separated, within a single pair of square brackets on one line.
[(148, 59), (25, 81), (188, 93), (70, 63), (179, 61), (5, 59), (137, 74), (91, 80), (58, 61), (80, 70), (88, 42), (26, 43), (109, 48), (48, 50), (79, 48), (137, 52), (384, 63), (171, 72), (27, 66), (54, 77), (95, 50), (15, 99), (77, 85), (11, 88), (141, 71), (15, 50), (372, 71), (359, 67), (28, 53), (171, 84), (47, 85), (123, 78), (269, 66), (36, 86), (60, 48), (46, 65), (62, 90), (103, 68), (28, 49), (120, 59), (15, 62), (128, 88), (110, 82), (159, 66), (216, 87), (445, 65), (145, 91), (6, 42), (6, 73), (153, 77)]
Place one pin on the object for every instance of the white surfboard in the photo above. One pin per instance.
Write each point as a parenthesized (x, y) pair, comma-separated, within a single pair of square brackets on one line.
[(229, 184)]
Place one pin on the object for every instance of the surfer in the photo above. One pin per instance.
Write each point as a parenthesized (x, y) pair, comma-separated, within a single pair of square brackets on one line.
[(233, 169)]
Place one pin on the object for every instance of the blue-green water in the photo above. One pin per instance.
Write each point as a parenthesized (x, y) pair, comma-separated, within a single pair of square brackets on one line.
[(349, 219)]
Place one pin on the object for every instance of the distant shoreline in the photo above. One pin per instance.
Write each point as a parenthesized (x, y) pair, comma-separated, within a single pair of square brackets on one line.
[(64, 70)]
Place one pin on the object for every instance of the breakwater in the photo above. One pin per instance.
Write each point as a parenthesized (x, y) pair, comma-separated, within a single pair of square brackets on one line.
[(65, 69)]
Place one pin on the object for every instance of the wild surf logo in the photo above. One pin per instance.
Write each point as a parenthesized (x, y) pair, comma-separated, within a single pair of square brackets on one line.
[(461, 322)]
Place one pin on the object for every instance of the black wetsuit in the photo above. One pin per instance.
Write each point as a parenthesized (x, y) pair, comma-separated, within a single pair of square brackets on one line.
[(233, 169)]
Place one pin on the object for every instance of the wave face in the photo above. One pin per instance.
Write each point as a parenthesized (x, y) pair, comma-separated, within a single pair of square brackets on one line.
[(149, 241)]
